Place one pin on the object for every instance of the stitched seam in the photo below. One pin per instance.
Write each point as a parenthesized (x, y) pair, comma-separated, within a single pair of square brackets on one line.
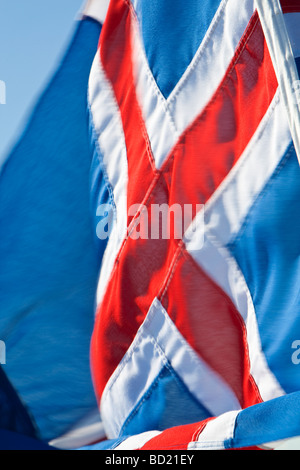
[(251, 28), (240, 49), (116, 375), (155, 383), (198, 432), (145, 202), (231, 427), (230, 440), (192, 353), (229, 179), (159, 173), (165, 359), (114, 101), (182, 251), (241, 322), (140, 403), (208, 445), (228, 435), (171, 271), (229, 259), (134, 345), (199, 53), (142, 123), (128, 355), (99, 154), (149, 74), (245, 39)]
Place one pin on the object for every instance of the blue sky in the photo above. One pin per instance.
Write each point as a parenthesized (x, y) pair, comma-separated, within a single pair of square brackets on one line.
[(33, 37)]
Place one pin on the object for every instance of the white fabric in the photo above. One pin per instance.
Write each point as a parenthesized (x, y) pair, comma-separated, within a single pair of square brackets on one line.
[(167, 119), (193, 92), (281, 52), (216, 432), (226, 210), (224, 215), (108, 127), (138, 441), (158, 343), (96, 9), (159, 123)]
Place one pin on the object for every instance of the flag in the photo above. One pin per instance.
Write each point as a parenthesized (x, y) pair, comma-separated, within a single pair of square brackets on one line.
[(49, 259), (196, 337)]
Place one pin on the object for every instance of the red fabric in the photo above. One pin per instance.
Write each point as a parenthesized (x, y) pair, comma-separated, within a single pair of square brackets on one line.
[(209, 321), (290, 6), (197, 165), (176, 438), (116, 53)]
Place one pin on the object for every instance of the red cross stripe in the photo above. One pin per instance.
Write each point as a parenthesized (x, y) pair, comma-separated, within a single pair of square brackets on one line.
[(200, 161), (290, 6)]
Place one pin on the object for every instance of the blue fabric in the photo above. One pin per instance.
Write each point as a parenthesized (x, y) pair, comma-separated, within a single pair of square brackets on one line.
[(14, 441), (13, 415), (109, 444), (268, 252), (267, 422), (49, 261), (171, 43), (101, 191), (166, 403)]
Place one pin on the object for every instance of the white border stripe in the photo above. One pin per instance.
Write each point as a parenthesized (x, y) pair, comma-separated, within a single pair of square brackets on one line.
[(226, 210), (109, 131), (220, 265), (159, 343), (208, 67), (159, 123), (224, 215), (167, 119), (216, 433), (189, 366), (96, 9), (138, 441), (273, 24)]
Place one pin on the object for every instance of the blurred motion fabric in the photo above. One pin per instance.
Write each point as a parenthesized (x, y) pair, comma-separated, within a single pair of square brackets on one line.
[(14, 441), (49, 261), (13, 414), (193, 340), (200, 328)]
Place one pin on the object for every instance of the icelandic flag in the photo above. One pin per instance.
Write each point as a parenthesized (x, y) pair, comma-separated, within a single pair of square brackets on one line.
[(49, 260), (196, 338), (195, 342)]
